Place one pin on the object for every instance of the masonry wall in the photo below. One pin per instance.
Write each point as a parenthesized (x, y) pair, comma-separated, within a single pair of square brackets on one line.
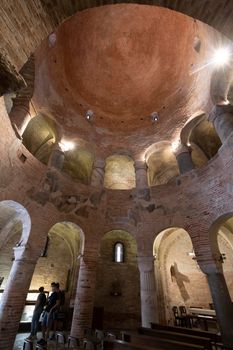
[(180, 279), (121, 310)]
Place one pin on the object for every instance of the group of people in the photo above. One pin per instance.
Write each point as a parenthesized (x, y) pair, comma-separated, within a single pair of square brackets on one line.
[(49, 308)]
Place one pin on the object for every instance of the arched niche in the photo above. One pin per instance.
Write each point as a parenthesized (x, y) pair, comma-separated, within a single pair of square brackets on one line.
[(60, 260), (202, 137), (40, 135), (118, 283), (162, 164), (221, 239), (15, 226), (119, 172), (177, 273), (78, 163)]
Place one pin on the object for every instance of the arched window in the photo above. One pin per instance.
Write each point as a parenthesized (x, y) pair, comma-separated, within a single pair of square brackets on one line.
[(119, 252)]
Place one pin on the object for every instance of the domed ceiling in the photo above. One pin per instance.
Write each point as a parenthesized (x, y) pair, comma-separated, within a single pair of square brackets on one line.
[(125, 62)]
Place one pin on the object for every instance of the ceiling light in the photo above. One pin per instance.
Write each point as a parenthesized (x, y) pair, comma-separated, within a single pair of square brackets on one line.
[(154, 117), (66, 145), (222, 56), (89, 115)]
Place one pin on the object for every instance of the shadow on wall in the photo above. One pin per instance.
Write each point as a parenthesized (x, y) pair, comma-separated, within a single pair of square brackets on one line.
[(180, 278)]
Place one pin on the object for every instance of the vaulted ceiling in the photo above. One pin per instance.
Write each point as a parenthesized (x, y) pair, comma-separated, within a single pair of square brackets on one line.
[(23, 24)]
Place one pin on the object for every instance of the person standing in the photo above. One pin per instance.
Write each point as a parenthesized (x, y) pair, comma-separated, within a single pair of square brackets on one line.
[(40, 303), (53, 303)]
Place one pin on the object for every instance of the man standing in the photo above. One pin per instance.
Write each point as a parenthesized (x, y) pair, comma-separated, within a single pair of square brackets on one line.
[(53, 303), (40, 303)]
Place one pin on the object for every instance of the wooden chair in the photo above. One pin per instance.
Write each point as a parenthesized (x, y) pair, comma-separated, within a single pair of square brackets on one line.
[(73, 343), (28, 344), (177, 318), (185, 321), (41, 347), (110, 336), (88, 344), (99, 334), (60, 339)]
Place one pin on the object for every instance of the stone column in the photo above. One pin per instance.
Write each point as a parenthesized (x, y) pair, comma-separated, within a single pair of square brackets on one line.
[(142, 187), (57, 157), (20, 112), (149, 305), (14, 296), (211, 265), (85, 295), (222, 118), (184, 159), (222, 304), (97, 177)]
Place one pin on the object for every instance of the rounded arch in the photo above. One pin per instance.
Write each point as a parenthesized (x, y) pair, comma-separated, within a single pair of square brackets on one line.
[(40, 135), (201, 135), (161, 162), (119, 172), (14, 214), (222, 220), (72, 234), (118, 284), (60, 260), (176, 271)]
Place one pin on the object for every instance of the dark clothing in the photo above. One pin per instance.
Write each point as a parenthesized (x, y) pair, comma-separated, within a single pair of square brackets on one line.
[(41, 301), (51, 301)]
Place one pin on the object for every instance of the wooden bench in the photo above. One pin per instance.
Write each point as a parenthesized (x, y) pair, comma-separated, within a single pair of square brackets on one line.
[(212, 336), (186, 338), (121, 345), (164, 343)]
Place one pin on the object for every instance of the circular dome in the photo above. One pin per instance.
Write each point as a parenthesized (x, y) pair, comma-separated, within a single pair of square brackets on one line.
[(125, 62)]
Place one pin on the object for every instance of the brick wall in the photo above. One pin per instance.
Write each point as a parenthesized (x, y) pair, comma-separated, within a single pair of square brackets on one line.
[(122, 310)]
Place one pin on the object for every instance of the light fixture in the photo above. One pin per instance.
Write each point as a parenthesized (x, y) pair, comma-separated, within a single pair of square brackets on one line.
[(89, 115), (66, 145), (222, 56), (154, 117)]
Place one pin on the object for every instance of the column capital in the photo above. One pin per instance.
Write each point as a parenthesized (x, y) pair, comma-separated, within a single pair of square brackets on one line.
[(99, 163), (145, 263), (140, 164), (218, 110), (181, 149), (22, 253)]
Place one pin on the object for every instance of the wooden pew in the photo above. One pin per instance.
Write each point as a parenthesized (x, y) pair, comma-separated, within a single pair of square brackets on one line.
[(166, 344), (186, 338), (213, 336), (121, 345)]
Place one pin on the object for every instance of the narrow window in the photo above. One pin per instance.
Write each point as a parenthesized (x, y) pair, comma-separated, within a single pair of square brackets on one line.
[(119, 252)]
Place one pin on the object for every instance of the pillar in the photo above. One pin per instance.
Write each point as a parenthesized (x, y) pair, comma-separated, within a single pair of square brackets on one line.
[(14, 296), (97, 177), (222, 304), (212, 268), (20, 112), (141, 174), (85, 295), (57, 157), (222, 118), (149, 305), (184, 159)]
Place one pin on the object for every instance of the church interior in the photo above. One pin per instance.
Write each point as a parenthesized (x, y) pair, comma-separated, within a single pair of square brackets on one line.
[(116, 172)]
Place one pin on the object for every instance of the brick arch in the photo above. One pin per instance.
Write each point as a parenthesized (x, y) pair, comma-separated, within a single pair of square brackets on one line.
[(19, 213), (213, 233)]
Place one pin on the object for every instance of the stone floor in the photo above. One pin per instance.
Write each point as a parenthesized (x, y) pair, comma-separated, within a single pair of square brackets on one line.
[(20, 339)]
